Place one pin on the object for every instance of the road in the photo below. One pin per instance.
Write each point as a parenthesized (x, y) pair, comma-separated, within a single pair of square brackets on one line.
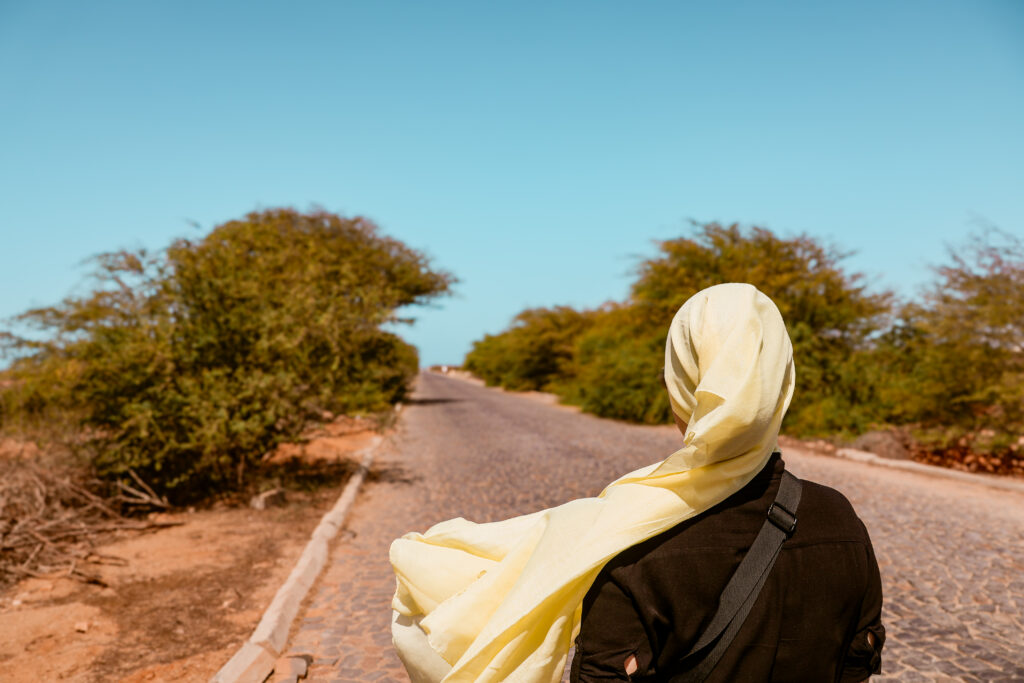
[(951, 554)]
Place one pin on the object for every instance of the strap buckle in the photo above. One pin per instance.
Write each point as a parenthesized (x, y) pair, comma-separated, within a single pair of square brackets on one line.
[(782, 518)]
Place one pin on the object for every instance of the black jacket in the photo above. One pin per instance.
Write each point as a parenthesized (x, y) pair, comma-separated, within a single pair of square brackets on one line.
[(810, 622)]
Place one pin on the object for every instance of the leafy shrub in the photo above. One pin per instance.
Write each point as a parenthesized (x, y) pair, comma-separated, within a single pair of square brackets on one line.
[(955, 362), (536, 349), (829, 313), (188, 365), (617, 371), (613, 369)]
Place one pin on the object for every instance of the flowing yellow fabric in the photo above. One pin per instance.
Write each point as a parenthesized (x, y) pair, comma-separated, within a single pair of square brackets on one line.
[(501, 601)]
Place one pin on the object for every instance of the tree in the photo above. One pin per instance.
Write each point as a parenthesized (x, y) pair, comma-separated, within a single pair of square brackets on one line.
[(186, 366), (957, 358), (830, 314), (617, 366), (614, 367), (536, 350)]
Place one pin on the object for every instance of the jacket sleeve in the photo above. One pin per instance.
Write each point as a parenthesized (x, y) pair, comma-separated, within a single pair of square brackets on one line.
[(864, 656), (610, 631)]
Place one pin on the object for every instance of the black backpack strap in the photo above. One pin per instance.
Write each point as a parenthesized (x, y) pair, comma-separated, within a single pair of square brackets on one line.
[(745, 584)]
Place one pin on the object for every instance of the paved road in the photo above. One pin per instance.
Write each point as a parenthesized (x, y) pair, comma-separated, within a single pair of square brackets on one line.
[(951, 554)]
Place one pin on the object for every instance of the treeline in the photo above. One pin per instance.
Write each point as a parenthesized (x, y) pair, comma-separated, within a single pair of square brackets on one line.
[(183, 367), (949, 369)]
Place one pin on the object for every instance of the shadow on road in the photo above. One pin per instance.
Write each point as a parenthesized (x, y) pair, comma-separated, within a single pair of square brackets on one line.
[(431, 401), (392, 474)]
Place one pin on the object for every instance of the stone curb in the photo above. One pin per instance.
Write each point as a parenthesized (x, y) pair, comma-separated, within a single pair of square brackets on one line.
[(254, 661), (920, 468)]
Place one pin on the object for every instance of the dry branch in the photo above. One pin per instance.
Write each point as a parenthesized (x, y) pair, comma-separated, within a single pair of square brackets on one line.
[(50, 520)]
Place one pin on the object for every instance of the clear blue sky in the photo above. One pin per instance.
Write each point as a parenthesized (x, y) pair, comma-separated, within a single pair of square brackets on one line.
[(534, 149)]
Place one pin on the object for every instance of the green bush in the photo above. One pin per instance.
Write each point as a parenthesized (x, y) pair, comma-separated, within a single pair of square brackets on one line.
[(617, 369), (537, 349), (955, 362), (830, 315), (613, 367), (188, 365)]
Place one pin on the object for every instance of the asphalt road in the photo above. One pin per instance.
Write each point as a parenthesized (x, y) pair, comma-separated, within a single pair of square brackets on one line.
[(951, 554)]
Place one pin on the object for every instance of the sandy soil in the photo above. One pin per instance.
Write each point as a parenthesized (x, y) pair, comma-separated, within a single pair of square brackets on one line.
[(180, 600)]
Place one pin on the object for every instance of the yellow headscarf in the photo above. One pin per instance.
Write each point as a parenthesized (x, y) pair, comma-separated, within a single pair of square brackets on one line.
[(501, 601)]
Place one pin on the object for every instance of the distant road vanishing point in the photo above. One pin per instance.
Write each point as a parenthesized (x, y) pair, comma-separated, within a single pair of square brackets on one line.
[(951, 554)]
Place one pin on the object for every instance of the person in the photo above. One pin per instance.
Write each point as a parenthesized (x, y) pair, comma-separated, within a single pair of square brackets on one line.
[(816, 618), (633, 573)]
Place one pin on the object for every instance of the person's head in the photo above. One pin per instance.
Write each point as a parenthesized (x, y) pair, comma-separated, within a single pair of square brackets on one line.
[(728, 370)]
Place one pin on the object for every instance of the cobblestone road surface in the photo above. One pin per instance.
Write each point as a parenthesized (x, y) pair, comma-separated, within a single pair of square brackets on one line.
[(951, 554)]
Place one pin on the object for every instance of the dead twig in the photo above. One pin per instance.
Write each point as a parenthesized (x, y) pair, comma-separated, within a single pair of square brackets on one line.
[(138, 497), (87, 578), (33, 554), (159, 500), (24, 571), (51, 520), (112, 560)]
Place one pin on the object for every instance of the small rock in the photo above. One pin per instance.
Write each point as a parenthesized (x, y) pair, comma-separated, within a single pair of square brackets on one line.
[(885, 444), (268, 499), (291, 668), (82, 626)]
